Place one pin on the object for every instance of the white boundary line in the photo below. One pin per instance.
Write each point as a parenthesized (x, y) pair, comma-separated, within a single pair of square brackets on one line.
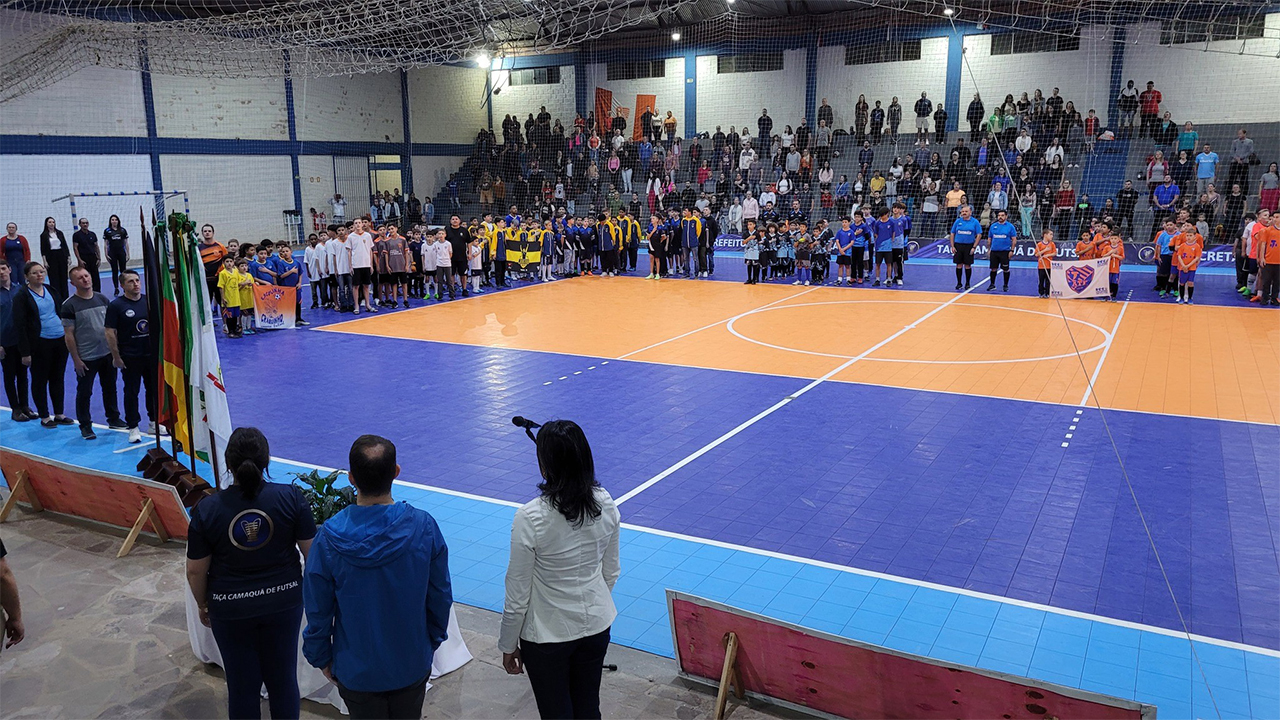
[(784, 401), (840, 568), (718, 322), (1106, 348)]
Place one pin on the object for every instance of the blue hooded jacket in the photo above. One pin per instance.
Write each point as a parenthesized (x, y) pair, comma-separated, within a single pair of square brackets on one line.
[(377, 595)]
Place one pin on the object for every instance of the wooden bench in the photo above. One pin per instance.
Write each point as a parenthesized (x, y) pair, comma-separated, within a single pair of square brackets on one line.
[(118, 500), (835, 677)]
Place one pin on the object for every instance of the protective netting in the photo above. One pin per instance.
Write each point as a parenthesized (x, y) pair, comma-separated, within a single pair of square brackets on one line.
[(322, 37)]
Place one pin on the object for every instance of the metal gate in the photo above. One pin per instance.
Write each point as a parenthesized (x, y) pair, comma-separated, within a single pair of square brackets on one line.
[(351, 180)]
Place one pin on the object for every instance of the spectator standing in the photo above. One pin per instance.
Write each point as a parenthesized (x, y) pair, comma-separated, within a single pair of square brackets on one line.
[(1269, 189), (1127, 104), (940, 124), (84, 242), (923, 109), (243, 571), (42, 345), (377, 593), (339, 205), (894, 117), (15, 373), (57, 257), (16, 252), (826, 114), (975, 114), (564, 564), (129, 340), (1149, 107), (1206, 168), (1242, 156), (84, 316)]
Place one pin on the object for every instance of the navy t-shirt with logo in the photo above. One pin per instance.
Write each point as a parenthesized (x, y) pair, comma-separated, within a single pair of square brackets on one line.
[(129, 319), (256, 569)]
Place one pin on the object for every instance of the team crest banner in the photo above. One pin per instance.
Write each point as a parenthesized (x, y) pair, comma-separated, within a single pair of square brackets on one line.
[(1079, 278), (275, 306)]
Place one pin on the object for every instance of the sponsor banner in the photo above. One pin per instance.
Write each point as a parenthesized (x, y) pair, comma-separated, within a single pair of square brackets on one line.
[(1220, 256), (1072, 279), (275, 306)]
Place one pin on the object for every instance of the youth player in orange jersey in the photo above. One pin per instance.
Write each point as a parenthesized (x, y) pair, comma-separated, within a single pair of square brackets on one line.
[(1046, 249), (1187, 257), (1085, 249), (1267, 242), (1116, 253)]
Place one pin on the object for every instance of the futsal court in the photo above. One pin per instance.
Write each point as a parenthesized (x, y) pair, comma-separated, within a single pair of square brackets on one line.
[(921, 469)]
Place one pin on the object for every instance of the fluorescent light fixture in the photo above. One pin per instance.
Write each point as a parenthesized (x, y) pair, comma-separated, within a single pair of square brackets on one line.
[(948, 12), (675, 35), (482, 59)]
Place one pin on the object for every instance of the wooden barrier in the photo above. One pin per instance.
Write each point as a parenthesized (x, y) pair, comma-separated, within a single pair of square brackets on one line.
[(125, 502), (836, 677)]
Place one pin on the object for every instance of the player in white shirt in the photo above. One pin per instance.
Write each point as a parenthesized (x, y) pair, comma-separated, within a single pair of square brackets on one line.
[(360, 245), (311, 256), (340, 264), (429, 264), (444, 265)]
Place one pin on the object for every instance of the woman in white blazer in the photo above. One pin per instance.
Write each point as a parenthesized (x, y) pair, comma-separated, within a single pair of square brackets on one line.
[(564, 563)]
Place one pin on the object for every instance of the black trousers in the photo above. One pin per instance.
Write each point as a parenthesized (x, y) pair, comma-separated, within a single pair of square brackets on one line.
[(857, 272), (1269, 283), (261, 651), (566, 676), (405, 703), (1044, 280), (500, 272), (56, 265), (48, 375), (105, 373), (633, 254), (91, 264), (118, 261), (139, 371), (15, 378)]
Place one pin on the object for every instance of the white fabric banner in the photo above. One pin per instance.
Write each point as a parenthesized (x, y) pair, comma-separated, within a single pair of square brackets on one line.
[(1069, 279), (312, 684)]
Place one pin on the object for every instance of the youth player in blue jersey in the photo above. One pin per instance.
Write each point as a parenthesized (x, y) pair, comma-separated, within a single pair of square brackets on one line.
[(1003, 235), (966, 231), (844, 251), (901, 224), (882, 236)]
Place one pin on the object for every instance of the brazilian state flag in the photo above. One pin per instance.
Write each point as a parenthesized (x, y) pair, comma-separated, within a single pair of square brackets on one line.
[(525, 248)]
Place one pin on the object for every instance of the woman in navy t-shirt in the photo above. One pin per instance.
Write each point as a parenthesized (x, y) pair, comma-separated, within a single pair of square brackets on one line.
[(244, 571)]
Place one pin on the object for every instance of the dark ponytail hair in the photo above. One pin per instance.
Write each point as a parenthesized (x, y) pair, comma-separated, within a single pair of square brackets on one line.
[(568, 471), (247, 458)]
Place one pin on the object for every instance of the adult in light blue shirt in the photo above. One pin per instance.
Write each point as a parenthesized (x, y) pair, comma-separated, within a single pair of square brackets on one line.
[(1003, 236), (966, 231), (1206, 168)]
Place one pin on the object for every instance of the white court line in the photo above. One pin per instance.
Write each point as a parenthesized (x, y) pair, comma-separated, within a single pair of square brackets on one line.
[(841, 568), (718, 322), (135, 446), (1106, 348), (776, 406)]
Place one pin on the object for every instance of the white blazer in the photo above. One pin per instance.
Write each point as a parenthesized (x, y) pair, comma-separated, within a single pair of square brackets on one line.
[(560, 578)]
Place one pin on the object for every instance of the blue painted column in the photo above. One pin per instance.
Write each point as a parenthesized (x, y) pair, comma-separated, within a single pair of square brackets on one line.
[(149, 107), (406, 156), (580, 89), (1118, 37), (294, 147), (811, 81), (690, 119), (955, 66)]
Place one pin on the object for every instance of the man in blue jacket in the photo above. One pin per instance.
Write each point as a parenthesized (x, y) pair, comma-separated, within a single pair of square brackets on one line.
[(377, 593)]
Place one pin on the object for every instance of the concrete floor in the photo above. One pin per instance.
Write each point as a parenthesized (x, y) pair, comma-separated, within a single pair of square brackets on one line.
[(107, 637)]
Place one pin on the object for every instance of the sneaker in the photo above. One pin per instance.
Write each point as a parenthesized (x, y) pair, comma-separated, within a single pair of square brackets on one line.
[(1164, 293), (876, 283), (1189, 301), (19, 416), (958, 286), (1006, 288), (63, 420), (1256, 298), (87, 433), (1243, 290), (966, 286), (899, 283), (354, 312), (1178, 301), (135, 435), (796, 282), (48, 423), (117, 424), (302, 322), (991, 287), (806, 282)]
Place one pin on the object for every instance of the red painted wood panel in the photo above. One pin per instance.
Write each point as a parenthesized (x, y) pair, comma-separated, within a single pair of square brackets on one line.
[(105, 497), (855, 680)]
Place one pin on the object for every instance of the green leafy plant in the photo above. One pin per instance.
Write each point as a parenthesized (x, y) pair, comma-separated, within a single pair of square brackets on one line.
[(325, 499)]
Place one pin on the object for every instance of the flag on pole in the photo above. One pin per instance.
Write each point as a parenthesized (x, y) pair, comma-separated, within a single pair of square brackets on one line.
[(1069, 279), (210, 416), (173, 354)]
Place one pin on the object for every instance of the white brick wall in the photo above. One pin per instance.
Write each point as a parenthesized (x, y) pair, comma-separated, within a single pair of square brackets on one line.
[(1083, 75), (1209, 87), (250, 109), (242, 196), (352, 108), (841, 84), (444, 104), (520, 100), (731, 99), (669, 90)]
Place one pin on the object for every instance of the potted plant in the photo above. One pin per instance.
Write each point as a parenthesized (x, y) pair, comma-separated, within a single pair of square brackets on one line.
[(325, 499)]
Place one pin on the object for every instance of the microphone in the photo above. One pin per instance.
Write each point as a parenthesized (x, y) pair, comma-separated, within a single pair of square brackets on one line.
[(521, 422)]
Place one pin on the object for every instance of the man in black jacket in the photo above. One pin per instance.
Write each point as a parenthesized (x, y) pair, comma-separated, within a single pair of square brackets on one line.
[(458, 237), (1126, 200), (707, 243), (975, 114), (765, 125)]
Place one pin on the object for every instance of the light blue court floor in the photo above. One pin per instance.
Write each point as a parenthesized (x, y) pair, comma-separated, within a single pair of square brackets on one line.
[(1207, 678)]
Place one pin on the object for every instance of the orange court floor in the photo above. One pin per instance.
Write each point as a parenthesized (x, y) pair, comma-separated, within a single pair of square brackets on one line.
[(1202, 361)]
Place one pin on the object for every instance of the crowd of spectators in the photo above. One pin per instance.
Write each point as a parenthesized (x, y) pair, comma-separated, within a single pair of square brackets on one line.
[(1017, 155)]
